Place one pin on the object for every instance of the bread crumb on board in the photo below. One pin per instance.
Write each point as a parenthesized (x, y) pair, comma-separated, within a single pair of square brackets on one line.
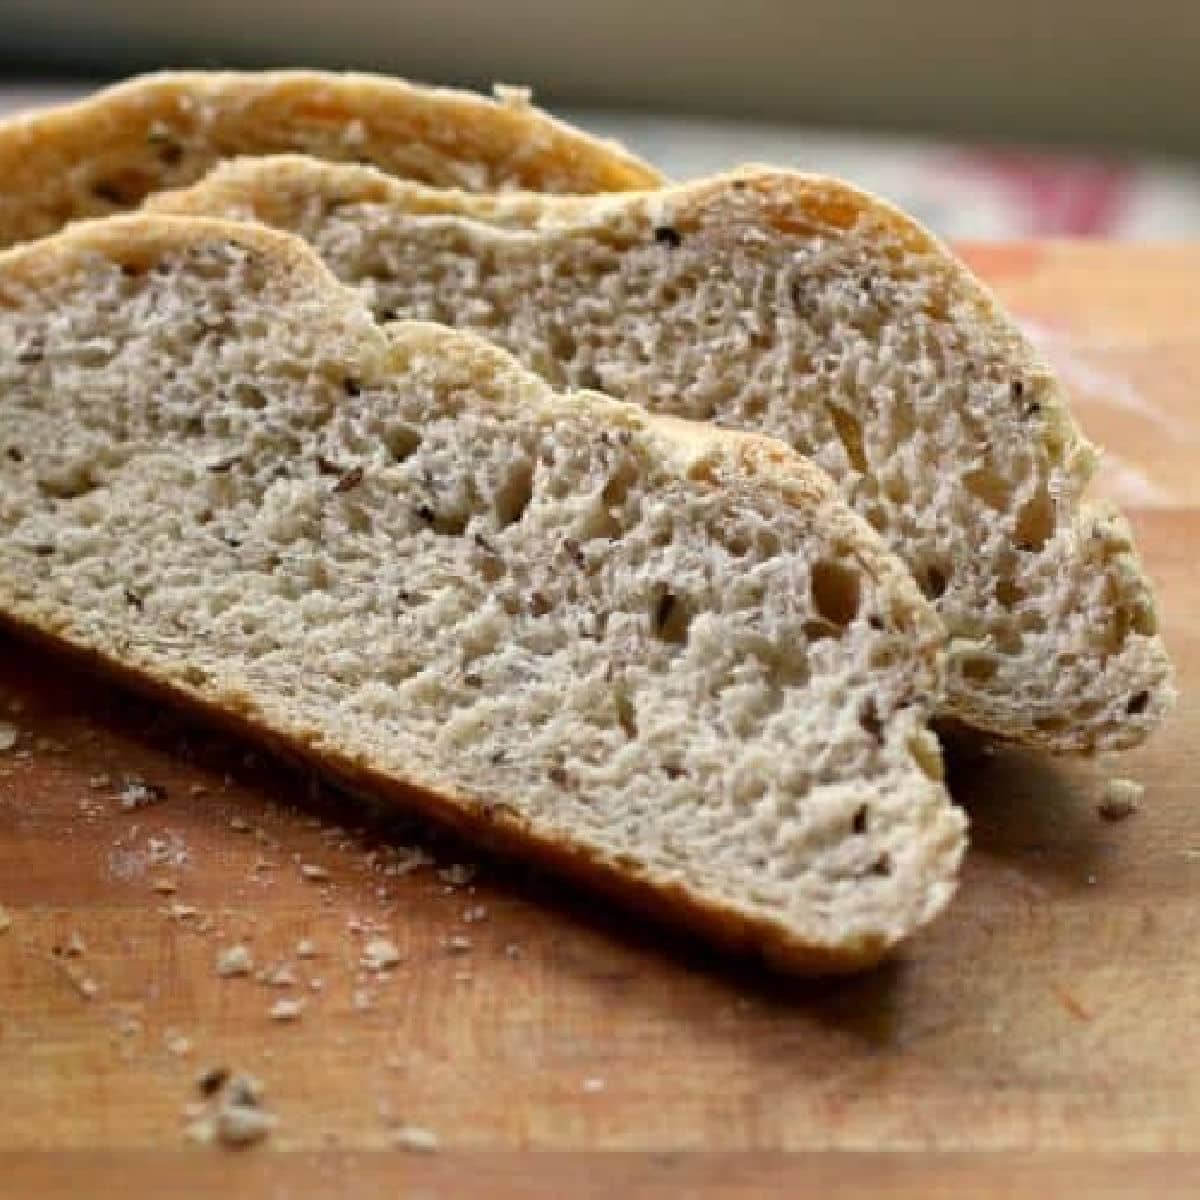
[(380, 954), (286, 1009), (1122, 798), (178, 1044), (234, 1116), (138, 793), (8, 735), (236, 960), (415, 1138)]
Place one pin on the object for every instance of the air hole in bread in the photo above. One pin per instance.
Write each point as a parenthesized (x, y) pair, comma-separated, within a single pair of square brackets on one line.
[(69, 482), (850, 434), (990, 487), (1007, 639), (836, 591), (248, 396), (1052, 724), (626, 712), (978, 669), (1035, 521), (876, 518), (1009, 593), (933, 581), (896, 489), (859, 823), (514, 495), (1138, 703), (619, 482), (670, 617), (402, 441)]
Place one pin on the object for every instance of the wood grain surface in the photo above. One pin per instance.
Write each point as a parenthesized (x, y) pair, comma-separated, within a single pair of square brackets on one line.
[(1040, 1039)]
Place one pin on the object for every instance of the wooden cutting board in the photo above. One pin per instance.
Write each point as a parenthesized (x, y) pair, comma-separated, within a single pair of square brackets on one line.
[(1043, 1037)]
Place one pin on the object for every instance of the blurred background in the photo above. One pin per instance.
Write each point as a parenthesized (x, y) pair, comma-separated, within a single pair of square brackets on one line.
[(997, 120)]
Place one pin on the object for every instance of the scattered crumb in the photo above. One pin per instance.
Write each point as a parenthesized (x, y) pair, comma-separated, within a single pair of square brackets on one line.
[(8, 735), (85, 985), (242, 1125), (99, 782), (197, 789), (463, 976), (380, 955), (415, 1138), (316, 984), (137, 793), (593, 1085), (177, 1043), (457, 874), (313, 871), (512, 950), (458, 944), (239, 824), (165, 887), (1192, 854), (235, 1116), (184, 912), (282, 976), (76, 947), (234, 961), (477, 912), (1122, 798), (286, 1009), (306, 948), (362, 1000)]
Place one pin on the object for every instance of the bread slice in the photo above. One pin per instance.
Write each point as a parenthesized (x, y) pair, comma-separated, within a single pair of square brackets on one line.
[(805, 309), (656, 655), (109, 151)]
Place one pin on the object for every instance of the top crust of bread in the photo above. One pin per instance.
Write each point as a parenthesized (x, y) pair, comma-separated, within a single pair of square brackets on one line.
[(741, 299), (107, 152), (85, 297)]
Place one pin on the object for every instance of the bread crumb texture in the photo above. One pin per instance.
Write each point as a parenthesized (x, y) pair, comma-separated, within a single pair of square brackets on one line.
[(799, 307), (664, 656)]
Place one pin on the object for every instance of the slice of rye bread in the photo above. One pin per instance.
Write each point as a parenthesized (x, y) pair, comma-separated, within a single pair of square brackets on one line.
[(802, 308), (107, 152), (659, 656)]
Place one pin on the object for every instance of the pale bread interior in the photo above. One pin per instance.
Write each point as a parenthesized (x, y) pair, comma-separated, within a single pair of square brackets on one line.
[(798, 307), (663, 651)]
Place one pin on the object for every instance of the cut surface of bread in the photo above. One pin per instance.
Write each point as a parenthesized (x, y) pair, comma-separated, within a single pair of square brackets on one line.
[(107, 152), (663, 657), (802, 308)]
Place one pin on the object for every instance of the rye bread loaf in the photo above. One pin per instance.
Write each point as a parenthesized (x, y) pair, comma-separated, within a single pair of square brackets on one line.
[(109, 151), (802, 308), (661, 657)]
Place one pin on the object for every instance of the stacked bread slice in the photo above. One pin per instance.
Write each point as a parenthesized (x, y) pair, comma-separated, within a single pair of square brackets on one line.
[(646, 640)]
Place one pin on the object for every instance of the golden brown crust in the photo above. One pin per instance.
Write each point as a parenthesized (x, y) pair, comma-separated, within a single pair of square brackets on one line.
[(106, 153)]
